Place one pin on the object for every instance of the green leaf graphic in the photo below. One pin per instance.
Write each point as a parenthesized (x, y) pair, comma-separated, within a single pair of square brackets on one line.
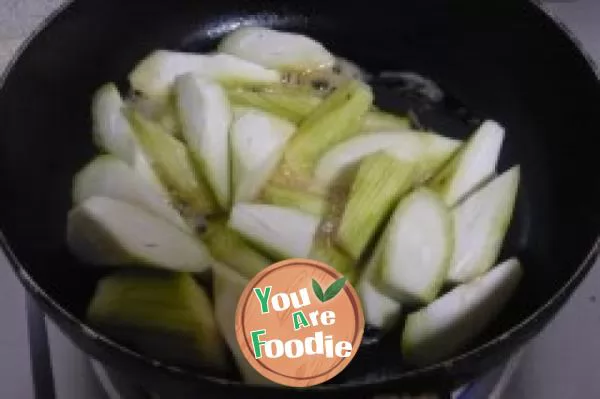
[(334, 289), (317, 290)]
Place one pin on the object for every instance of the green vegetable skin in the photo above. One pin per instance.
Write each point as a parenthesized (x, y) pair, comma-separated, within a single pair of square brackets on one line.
[(106, 232), (205, 118), (447, 324), (380, 182), (229, 247), (298, 103), (293, 198), (480, 224), (293, 105), (168, 316), (335, 120), (173, 164), (417, 247), (428, 151)]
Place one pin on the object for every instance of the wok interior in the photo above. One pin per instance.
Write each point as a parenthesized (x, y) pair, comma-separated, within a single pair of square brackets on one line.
[(505, 63)]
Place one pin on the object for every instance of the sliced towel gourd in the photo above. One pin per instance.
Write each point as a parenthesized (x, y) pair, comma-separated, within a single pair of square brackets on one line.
[(113, 134), (294, 198), (155, 74), (226, 293), (427, 150), (448, 323), (106, 232), (472, 166), (480, 224), (380, 181), (380, 310), (329, 254), (416, 248), (337, 119), (227, 246), (168, 316), (173, 164), (380, 121), (110, 128), (277, 50), (205, 118), (280, 232), (108, 176), (295, 104), (257, 143)]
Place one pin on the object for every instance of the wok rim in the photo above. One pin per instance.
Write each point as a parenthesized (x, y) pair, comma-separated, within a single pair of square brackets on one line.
[(521, 330)]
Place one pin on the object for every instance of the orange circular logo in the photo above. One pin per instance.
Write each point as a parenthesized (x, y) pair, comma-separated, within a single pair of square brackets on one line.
[(299, 322)]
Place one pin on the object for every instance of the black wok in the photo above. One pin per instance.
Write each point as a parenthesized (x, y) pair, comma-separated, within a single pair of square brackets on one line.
[(502, 60)]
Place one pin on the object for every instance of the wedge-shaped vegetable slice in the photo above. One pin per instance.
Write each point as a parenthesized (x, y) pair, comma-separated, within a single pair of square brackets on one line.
[(417, 248), (229, 247), (472, 166), (169, 118), (108, 176), (295, 104), (106, 232), (110, 128), (281, 232), (380, 310), (328, 253), (379, 183), (276, 49), (338, 98), (294, 198), (113, 134), (256, 99), (154, 75), (160, 110), (205, 118), (447, 324), (257, 143), (405, 145), (174, 166), (291, 104), (167, 316), (480, 224), (226, 293), (427, 150), (380, 121), (438, 150), (300, 103), (337, 119)]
